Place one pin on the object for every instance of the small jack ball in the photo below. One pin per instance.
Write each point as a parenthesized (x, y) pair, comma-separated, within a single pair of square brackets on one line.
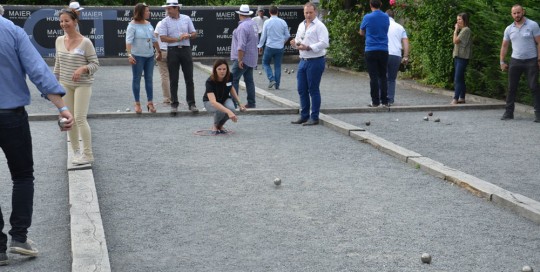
[(368, 123), (277, 181), (426, 118), (426, 258)]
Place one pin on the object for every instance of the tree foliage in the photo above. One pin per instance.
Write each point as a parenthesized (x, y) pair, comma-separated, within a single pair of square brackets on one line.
[(157, 2)]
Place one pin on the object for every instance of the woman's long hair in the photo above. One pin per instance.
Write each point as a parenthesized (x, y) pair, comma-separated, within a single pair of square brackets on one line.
[(465, 17), (214, 76), (138, 11)]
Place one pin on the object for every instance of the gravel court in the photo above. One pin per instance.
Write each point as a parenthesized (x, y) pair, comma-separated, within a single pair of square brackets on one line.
[(475, 142), (171, 202), (50, 223)]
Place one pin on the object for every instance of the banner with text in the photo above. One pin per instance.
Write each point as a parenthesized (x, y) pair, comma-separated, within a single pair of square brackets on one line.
[(106, 27)]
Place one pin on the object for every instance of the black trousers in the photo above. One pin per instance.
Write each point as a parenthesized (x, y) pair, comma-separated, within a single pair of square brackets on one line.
[(176, 58), (376, 62), (517, 67)]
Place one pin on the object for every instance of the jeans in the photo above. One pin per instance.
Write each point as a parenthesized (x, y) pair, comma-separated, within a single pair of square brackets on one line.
[(145, 64), (220, 118), (392, 72), (517, 67), (377, 62), (247, 72), (308, 79), (460, 65), (16, 142), (176, 58), (277, 55)]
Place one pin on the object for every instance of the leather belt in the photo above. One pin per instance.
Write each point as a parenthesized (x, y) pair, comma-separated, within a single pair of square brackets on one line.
[(177, 46), (163, 50), (308, 59), (16, 110)]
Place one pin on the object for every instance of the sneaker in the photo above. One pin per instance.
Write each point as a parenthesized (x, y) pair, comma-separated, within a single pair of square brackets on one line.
[(385, 105), (193, 109), (83, 159), (272, 84), (249, 106), (507, 116), (23, 248), (372, 106), (3, 259)]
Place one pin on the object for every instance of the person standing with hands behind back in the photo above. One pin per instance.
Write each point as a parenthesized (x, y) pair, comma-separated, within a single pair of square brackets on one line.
[(217, 98), (19, 59), (75, 65), (140, 46), (525, 37), (462, 53), (311, 41)]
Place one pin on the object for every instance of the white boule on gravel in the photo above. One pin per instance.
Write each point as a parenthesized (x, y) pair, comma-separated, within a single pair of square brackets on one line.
[(526, 269), (277, 181)]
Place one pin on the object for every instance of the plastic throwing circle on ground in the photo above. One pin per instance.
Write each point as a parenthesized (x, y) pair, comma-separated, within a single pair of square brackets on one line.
[(209, 132)]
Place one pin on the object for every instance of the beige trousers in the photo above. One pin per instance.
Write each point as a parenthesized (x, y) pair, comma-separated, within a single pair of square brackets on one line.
[(77, 99), (164, 73)]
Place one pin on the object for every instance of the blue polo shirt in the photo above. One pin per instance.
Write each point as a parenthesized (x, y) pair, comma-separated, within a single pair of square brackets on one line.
[(376, 25)]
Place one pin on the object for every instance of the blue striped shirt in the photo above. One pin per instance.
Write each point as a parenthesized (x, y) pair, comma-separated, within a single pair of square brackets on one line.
[(275, 33), (173, 28), (20, 58), (245, 38)]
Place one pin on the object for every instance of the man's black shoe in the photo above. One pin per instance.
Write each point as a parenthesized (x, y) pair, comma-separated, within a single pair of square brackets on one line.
[(299, 121), (311, 122), (507, 116)]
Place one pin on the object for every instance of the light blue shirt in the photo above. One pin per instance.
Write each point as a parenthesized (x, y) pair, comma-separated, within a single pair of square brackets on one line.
[(173, 28), (523, 43), (20, 58), (275, 33), (142, 39)]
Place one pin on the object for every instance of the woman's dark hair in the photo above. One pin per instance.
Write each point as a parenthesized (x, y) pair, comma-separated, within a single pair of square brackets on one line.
[(71, 12), (465, 17), (214, 76), (138, 11)]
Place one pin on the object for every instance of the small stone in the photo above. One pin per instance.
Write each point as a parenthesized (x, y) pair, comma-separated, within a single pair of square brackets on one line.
[(437, 120), (292, 71), (527, 269), (260, 73), (426, 118), (277, 181), (430, 114), (368, 123), (426, 258)]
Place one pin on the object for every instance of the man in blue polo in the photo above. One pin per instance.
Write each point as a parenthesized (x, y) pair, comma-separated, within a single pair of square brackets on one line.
[(374, 27), (525, 37), (275, 34)]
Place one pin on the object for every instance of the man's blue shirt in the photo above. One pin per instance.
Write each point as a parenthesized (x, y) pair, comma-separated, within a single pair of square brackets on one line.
[(18, 58), (275, 33), (376, 25)]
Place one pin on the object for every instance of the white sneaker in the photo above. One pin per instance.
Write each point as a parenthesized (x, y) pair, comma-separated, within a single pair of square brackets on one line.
[(82, 159)]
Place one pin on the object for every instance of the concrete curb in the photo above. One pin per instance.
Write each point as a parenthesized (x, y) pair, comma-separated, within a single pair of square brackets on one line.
[(88, 244)]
